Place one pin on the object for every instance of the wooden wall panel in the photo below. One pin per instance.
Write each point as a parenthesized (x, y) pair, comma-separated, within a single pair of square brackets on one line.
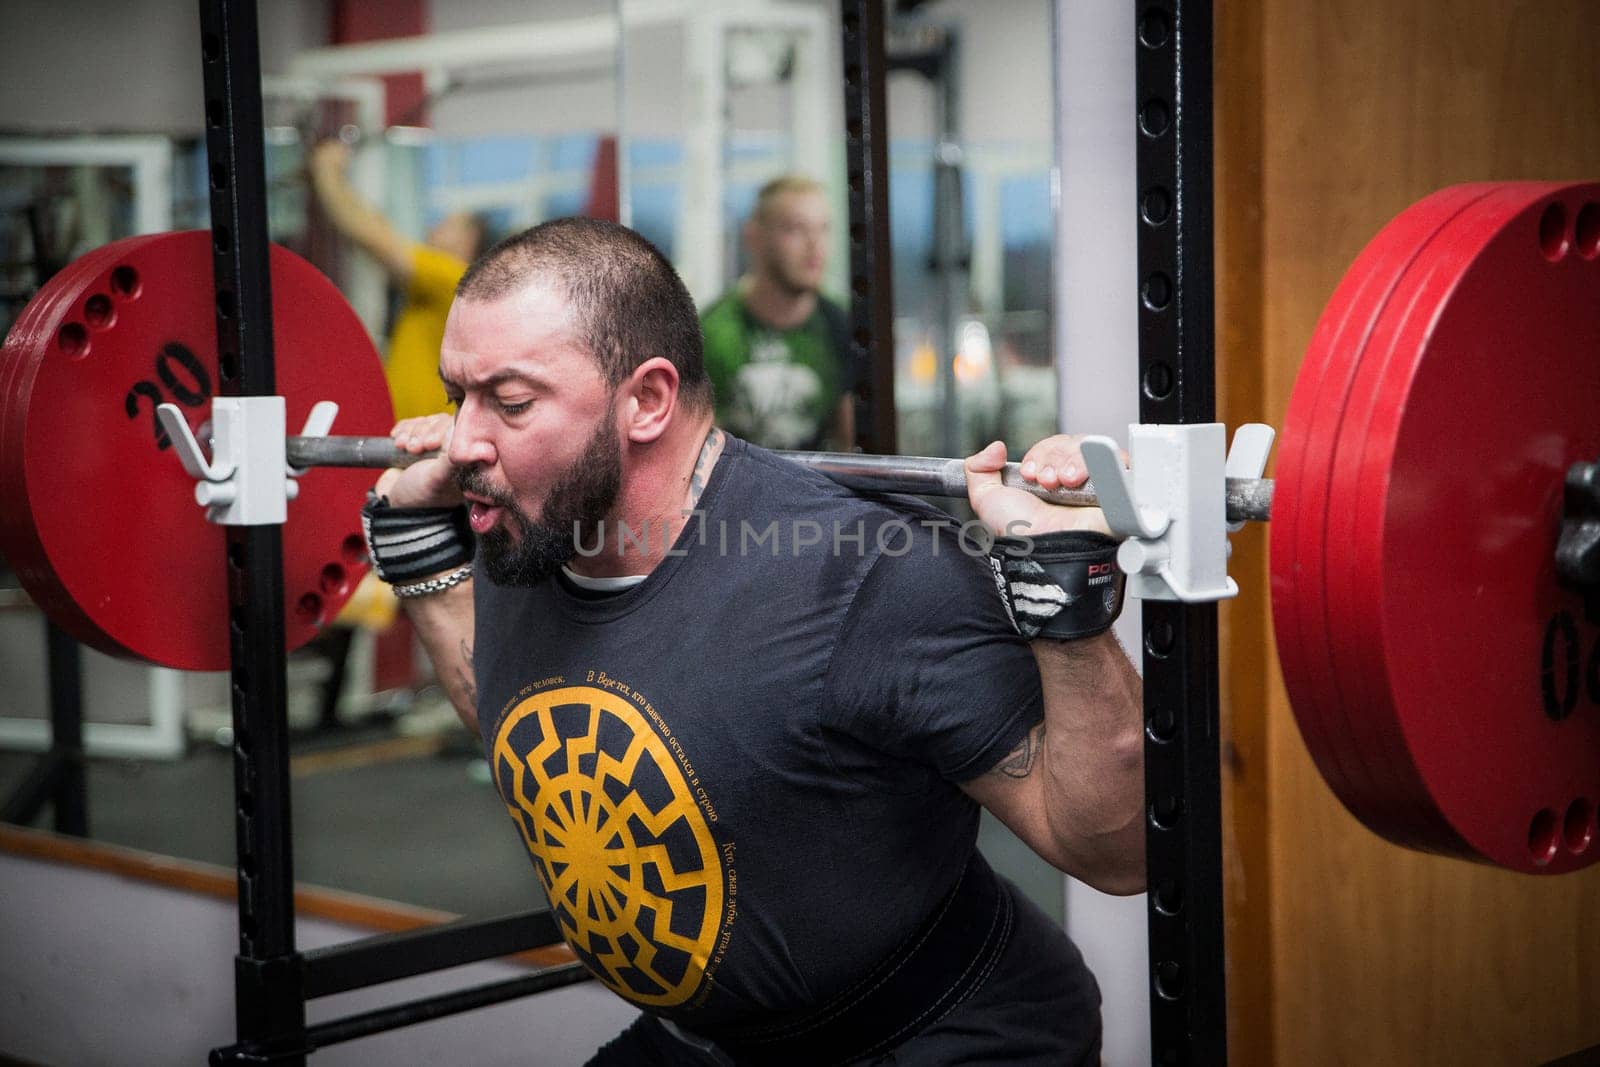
[(1341, 113), (1245, 623)]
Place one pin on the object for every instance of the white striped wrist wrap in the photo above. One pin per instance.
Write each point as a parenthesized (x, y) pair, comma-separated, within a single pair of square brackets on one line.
[(405, 544)]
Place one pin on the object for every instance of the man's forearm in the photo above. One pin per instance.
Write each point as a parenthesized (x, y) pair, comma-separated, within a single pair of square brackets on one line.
[(1093, 763), (444, 623)]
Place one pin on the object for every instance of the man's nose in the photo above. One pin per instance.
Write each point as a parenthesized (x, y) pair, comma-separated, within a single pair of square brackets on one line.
[(469, 444)]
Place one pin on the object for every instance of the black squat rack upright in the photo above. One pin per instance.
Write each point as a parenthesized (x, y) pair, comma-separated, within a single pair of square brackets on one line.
[(1177, 384)]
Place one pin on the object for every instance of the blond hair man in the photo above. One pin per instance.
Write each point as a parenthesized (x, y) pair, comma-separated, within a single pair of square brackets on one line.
[(776, 349)]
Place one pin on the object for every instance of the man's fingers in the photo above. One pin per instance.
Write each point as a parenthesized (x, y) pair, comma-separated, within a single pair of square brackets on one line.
[(992, 457), (1056, 462), (983, 470), (422, 434)]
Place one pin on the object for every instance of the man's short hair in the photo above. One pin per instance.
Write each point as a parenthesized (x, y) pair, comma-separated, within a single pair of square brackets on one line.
[(630, 305), (783, 183)]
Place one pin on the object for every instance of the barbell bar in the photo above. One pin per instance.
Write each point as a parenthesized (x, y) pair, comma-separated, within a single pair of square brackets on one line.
[(1247, 499)]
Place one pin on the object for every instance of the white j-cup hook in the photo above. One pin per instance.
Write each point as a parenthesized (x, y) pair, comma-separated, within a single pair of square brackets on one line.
[(246, 482), (318, 423), (1115, 492)]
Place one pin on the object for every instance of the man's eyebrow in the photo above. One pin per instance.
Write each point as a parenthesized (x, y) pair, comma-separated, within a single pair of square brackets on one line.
[(510, 374)]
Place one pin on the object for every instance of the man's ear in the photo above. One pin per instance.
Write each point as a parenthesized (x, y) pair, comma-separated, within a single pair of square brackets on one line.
[(650, 400)]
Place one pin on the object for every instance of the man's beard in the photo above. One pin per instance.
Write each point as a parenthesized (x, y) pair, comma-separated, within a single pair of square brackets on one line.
[(576, 506)]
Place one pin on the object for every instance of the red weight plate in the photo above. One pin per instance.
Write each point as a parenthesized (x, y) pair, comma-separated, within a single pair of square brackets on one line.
[(1477, 659), (54, 322), (1335, 350), (20, 338), (1310, 432), (19, 361), (108, 539), (1394, 802), (1530, 805)]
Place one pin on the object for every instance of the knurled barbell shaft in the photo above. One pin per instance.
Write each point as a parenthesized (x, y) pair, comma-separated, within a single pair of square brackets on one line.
[(1247, 498)]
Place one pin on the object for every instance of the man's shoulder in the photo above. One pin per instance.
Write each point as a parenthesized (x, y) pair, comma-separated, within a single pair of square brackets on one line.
[(923, 541)]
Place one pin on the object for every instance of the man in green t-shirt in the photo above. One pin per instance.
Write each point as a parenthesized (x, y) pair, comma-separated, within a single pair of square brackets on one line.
[(777, 350)]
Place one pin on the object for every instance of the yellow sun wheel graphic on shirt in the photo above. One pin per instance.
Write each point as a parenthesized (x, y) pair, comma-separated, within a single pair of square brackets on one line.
[(619, 841)]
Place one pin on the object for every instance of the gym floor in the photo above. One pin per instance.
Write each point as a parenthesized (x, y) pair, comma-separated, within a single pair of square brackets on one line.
[(383, 809)]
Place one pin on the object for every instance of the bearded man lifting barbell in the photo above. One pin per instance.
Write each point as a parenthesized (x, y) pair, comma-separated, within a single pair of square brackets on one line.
[(744, 718)]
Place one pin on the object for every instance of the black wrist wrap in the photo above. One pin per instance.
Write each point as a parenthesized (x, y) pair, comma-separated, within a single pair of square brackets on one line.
[(406, 544), (1062, 585)]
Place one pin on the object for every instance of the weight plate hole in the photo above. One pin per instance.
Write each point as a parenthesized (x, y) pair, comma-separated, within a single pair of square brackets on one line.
[(354, 550), (100, 312), (334, 580), (125, 282), (73, 339), (1553, 232), (1578, 828), (1543, 836), (308, 609), (1588, 231)]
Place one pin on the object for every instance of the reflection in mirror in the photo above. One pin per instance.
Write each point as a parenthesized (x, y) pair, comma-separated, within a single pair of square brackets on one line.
[(971, 151), (732, 166)]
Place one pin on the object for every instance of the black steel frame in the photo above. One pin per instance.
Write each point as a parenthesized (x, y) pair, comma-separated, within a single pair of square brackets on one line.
[(58, 778), (1177, 381), (935, 59), (866, 127)]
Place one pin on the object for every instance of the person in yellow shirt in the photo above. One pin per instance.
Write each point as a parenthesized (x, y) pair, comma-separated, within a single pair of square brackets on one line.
[(426, 271)]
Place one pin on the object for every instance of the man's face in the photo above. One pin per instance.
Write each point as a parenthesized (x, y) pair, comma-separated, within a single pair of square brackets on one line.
[(536, 446), (789, 241)]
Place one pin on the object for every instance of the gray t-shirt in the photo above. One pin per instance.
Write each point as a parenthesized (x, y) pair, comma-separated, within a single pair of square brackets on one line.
[(738, 778)]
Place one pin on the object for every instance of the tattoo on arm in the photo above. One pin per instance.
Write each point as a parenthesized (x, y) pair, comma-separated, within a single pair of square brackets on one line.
[(702, 466), (1019, 762), (468, 674)]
